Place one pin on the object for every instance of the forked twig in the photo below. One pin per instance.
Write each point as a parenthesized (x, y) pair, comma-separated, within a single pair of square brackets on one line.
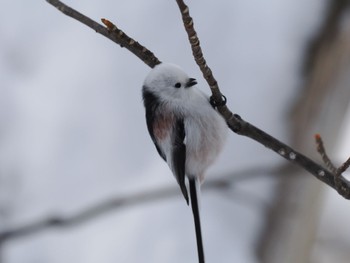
[(322, 151), (343, 167)]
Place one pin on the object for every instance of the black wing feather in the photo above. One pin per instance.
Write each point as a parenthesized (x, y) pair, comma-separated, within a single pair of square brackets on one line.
[(151, 103), (179, 155)]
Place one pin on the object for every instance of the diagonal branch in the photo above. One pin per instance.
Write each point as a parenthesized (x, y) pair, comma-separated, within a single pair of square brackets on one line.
[(116, 35), (234, 121), (327, 161), (339, 183), (197, 50), (199, 58)]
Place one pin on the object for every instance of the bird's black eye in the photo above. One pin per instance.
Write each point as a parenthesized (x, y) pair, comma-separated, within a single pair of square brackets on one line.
[(177, 85)]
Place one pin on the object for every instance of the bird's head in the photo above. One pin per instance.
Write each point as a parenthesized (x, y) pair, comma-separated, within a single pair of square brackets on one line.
[(169, 81)]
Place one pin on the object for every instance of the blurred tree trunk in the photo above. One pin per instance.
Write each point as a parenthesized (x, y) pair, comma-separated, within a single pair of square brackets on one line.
[(324, 97)]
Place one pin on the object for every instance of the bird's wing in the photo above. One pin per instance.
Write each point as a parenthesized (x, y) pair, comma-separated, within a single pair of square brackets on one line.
[(168, 134), (152, 103), (179, 155)]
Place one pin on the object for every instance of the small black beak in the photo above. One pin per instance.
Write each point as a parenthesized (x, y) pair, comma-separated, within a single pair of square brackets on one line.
[(191, 82)]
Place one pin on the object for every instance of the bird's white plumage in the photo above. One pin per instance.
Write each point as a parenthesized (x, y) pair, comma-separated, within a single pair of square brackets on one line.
[(205, 129), (186, 130), (162, 77)]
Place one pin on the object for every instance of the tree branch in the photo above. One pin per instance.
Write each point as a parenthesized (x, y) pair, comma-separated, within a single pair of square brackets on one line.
[(234, 121), (338, 183), (111, 32)]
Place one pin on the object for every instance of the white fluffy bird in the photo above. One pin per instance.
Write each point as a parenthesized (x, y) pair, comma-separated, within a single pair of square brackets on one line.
[(187, 131)]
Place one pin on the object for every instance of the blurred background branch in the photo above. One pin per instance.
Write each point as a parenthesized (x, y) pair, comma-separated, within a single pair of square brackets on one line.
[(223, 182)]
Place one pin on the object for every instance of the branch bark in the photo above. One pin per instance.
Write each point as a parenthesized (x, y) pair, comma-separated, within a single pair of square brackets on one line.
[(234, 121)]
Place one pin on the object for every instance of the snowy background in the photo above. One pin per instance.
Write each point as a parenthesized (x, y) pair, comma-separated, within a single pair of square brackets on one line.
[(72, 128)]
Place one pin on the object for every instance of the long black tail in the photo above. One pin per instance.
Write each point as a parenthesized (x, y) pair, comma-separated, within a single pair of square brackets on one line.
[(197, 221)]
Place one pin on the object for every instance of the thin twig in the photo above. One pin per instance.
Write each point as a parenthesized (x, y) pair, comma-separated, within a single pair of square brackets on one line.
[(135, 47), (343, 167), (201, 62), (197, 50), (322, 151), (116, 35), (234, 121)]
